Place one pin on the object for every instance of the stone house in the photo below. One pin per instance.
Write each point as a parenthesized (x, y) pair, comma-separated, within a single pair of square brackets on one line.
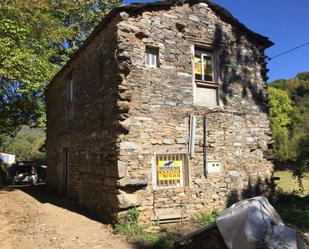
[(163, 108)]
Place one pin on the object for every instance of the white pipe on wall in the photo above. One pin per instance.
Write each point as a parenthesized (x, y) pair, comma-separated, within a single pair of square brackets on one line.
[(192, 135)]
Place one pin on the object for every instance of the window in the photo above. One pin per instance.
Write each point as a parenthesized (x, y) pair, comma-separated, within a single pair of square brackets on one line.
[(204, 65), (69, 95), (152, 57), (69, 89), (171, 170), (206, 84), (65, 177)]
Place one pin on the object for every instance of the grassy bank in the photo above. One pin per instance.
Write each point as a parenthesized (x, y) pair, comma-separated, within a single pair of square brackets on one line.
[(292, 205), (289, 184)]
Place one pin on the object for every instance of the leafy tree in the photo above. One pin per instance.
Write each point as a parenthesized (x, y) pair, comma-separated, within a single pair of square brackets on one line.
[(291, 131), (304, 76), (81, 16), (280, 118), (36, 38), (26, 30), (280, 84)]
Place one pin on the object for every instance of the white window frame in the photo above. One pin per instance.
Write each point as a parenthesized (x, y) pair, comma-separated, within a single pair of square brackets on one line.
[(212, 66), (152, 57), (204, 53)]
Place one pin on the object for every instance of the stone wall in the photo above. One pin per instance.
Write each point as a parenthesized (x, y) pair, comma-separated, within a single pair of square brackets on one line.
[(92, 133), (238, 133), (124, 113)]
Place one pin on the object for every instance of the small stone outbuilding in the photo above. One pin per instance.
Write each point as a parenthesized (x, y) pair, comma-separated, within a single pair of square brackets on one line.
[(163, 108)]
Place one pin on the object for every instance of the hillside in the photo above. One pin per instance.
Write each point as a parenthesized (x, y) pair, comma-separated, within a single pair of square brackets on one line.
[(27, 144), (289, 115)]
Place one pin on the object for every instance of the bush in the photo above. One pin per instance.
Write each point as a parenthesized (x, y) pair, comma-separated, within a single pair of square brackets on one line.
[(128, 223), (204, 219), (128, 226)]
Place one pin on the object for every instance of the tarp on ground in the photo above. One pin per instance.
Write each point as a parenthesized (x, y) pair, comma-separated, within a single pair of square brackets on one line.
[(254, 223)]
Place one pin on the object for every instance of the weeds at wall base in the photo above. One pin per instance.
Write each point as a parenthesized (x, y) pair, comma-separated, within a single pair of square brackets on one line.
[(204, 219), (128, 226)]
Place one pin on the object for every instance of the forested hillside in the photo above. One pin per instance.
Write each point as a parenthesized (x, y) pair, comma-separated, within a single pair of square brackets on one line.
[(289, 116), (27, 144)]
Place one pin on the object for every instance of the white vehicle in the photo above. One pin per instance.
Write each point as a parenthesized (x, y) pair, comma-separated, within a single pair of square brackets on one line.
[(7, 158)]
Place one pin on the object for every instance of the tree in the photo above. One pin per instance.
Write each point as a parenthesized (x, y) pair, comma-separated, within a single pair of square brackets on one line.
[(36, 38), (81, 16), (26, 145), (280, 118), (26, 30), (291, 127)]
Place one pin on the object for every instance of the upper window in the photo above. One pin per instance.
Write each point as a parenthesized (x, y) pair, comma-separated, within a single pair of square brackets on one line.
[(69, 89), (152, 57), (69, 95), (204, 65), (206, 83)]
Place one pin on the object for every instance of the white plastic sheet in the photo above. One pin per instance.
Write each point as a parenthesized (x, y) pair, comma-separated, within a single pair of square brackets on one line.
[(254, 223)]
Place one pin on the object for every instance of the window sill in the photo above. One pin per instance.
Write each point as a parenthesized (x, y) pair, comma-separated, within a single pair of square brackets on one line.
[(151, 67), (158, 188), (202, 83)]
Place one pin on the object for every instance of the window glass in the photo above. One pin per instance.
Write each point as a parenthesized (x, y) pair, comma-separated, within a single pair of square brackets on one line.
[(69, 95), (208, 71), (198, 67), (204, 69), (69, 91), (152, 57)]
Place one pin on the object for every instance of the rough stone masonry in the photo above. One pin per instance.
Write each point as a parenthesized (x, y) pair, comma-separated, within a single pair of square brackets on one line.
[(106, 145)]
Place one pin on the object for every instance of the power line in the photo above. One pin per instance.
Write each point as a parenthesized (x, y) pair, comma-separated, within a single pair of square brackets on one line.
[(288, 51)]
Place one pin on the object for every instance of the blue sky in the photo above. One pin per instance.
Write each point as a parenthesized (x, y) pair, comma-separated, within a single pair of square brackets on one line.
[(285, 22)]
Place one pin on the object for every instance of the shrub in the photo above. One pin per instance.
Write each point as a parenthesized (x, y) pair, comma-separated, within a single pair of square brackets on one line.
[(129, 227), (128, 223), (204, 219)]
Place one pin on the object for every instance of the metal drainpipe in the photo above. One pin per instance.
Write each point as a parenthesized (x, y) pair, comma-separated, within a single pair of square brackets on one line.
[(204, 145)]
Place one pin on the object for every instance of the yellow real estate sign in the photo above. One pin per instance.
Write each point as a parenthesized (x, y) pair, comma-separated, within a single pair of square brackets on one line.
[(169, 170)]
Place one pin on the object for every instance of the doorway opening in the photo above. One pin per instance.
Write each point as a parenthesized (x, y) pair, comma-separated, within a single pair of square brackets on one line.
[(65, 171)]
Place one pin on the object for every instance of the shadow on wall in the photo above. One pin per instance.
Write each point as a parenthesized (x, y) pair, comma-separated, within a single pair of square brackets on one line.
[(258, 187), (238, 65)]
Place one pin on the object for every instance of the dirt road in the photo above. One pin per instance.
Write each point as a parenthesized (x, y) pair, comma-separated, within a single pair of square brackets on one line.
[(29, 221)]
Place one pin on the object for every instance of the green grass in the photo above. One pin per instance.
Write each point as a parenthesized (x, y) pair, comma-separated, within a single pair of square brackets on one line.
[(204, 219), (289, 184), (291, 204), (128, 226)]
